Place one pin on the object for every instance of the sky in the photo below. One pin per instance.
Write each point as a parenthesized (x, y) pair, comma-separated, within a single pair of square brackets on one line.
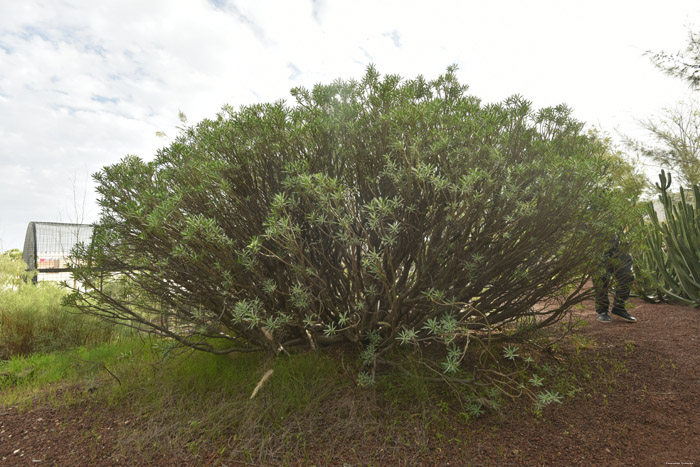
[(84, 83)]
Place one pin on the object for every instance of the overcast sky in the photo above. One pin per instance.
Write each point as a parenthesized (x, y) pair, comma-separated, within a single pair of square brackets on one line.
[(84, 83)]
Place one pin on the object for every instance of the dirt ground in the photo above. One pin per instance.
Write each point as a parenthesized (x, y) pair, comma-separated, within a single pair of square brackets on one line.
[(649, 417)]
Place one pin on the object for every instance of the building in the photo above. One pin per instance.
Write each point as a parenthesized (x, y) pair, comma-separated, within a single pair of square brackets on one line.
[(47, 248)]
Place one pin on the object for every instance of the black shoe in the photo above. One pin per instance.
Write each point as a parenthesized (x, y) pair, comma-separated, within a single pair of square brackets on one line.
[(624, 315), (604, 317)]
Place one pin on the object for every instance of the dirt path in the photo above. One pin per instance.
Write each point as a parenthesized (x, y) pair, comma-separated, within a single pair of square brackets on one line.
[(651, 418)]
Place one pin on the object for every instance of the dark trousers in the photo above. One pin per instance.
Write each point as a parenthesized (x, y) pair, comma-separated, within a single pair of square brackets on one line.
[(619, 268)]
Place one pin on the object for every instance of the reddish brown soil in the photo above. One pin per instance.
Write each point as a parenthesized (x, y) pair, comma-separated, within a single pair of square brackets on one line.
[(650, 417), (646, 415)]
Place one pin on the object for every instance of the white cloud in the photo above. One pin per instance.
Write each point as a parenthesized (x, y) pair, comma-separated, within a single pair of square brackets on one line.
[(83, 83)]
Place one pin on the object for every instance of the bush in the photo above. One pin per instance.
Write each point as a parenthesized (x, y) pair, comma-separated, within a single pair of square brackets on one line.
[(32, 318), (376, 212)]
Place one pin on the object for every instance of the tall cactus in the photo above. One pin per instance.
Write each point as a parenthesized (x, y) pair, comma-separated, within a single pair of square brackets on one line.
[(672, 253)]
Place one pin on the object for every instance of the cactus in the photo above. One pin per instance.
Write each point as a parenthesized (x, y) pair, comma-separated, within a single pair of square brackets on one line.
[(672, 254)]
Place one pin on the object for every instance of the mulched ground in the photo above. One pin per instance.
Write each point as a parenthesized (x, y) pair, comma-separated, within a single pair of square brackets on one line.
[(648, 416)]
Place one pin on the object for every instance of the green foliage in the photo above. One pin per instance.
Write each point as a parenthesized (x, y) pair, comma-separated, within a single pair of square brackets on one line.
[(378, 212), (510, 352), (676, 134), (622, 174), (671, 260), (13, 271), (684, 65), (547, 397), (32, 318)]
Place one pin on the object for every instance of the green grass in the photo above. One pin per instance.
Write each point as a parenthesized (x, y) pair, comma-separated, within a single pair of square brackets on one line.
[(23, 378), (192, 402), (33, 320), (194, 405)]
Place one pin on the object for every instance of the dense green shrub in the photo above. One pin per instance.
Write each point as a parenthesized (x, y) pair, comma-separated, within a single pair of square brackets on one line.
[(32, 318), (376, 212)]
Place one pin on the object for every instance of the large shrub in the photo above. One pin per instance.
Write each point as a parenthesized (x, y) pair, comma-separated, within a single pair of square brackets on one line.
[(375, 211)]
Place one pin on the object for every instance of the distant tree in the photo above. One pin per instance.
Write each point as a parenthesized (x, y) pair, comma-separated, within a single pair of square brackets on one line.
[(676, 133), (622, 173), (374, 212), (13, 271), (684, 65), (677, 136)]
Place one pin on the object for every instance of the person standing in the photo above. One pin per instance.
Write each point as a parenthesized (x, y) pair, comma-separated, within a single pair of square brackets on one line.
[(617, 265)]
